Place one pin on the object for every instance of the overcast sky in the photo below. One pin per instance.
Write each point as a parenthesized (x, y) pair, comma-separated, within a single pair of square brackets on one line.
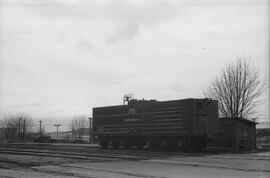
[(60, 58)]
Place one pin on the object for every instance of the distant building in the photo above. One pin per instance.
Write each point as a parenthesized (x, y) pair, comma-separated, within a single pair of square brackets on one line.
[(61, 135), (237, 133), (263, 135), (70, 136)]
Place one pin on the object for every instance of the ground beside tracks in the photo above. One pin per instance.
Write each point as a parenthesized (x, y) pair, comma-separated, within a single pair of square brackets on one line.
[(91, 161)]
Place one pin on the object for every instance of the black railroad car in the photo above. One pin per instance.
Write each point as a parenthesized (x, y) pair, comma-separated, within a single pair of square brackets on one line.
[(186, 123)]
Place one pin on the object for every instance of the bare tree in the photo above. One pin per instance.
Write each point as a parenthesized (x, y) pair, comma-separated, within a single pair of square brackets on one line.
[(79, 126), (11, 126), (237, 89), (16, 125)]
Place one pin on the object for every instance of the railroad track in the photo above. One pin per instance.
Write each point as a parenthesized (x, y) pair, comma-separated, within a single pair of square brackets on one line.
[(63, 154), (98, 150), (48, 146), (101, 155), (95, 152)]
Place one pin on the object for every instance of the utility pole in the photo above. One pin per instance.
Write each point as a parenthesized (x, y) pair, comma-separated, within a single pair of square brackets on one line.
[(23, 129), (57, 125), (40, 127), (90, 130), (19, 132)]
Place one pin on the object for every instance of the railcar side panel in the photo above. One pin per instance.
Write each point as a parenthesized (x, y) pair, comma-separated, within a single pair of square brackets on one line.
[(153, 119)]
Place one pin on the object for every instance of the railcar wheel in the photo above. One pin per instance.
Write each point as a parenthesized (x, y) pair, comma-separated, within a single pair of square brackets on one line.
[(115, 144), (140, 145), (154, 145), (170, 146), (126, 145), (199, 148), (184, 148), (104, 144)]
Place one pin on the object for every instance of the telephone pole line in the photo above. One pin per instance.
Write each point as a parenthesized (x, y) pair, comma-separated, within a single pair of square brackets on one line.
[(40, 127), (23, 129), (19, 132)]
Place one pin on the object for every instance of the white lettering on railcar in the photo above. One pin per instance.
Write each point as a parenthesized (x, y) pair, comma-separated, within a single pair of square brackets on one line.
[(132, 120)]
